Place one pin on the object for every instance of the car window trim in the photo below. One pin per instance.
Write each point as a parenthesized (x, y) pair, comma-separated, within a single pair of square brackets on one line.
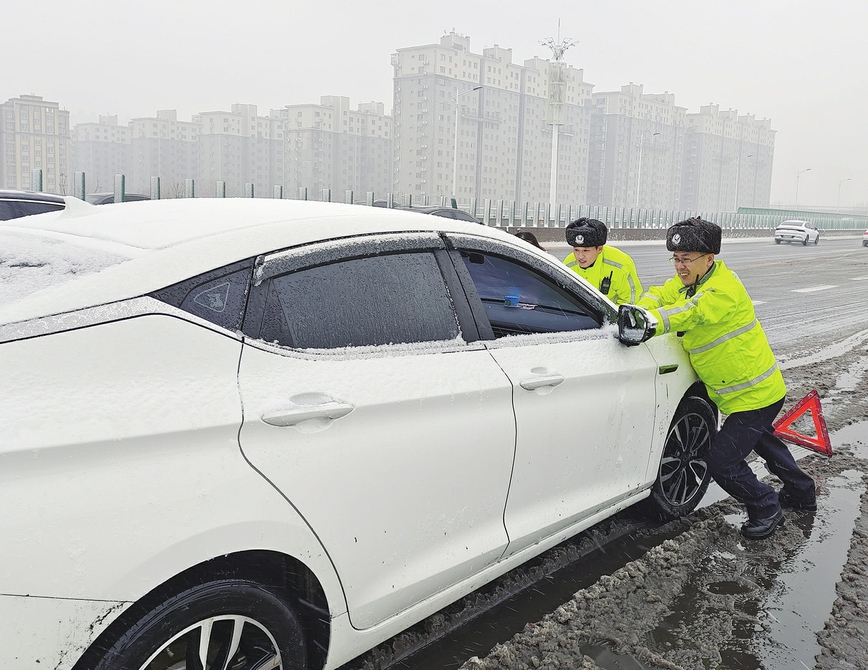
[(344, 248)]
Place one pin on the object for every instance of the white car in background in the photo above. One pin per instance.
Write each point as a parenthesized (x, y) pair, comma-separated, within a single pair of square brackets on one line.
[(263, 433), (796, 230)]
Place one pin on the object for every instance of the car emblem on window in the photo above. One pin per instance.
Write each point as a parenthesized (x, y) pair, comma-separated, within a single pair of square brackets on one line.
[(214, 297)]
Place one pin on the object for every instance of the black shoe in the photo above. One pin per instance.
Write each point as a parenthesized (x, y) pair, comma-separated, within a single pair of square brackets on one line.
[(806, 504), (757, 530)]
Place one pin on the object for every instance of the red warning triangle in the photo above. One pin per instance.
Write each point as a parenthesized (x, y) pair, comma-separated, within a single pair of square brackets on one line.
[(810, 403)]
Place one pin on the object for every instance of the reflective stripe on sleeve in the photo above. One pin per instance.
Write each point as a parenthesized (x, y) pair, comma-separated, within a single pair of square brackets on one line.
[(753, 382), (652, 296), (569, 265), (606, 261), (724, 338), (666, 313), (632, 287)]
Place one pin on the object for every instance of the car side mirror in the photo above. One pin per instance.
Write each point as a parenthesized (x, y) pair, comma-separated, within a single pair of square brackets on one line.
[(635, 325)]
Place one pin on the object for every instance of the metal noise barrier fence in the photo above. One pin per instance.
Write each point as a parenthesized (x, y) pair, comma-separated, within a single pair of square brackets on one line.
[(510, 214)]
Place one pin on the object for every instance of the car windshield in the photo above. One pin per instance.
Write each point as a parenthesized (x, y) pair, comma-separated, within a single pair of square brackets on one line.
[(790, 226), (30, 262)]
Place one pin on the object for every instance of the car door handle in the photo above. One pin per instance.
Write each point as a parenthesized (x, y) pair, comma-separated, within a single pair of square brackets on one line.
[(291, 416), (542, 381)]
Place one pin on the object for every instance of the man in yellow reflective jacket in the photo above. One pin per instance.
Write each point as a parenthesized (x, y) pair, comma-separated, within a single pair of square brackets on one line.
[(602, 266), (706, 303)]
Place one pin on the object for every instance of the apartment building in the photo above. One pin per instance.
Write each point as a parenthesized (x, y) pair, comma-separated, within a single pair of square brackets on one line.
[(474, 125), (637, 147), (240, 147), (727, 161), (161, 146), (35, 134), (331, 146), (101, 150)]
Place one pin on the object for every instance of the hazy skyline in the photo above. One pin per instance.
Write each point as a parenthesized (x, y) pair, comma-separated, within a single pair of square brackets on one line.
[(797, 63)]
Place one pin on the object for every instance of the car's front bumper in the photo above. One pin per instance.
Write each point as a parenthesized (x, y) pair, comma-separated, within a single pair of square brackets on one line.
[(50, 632)]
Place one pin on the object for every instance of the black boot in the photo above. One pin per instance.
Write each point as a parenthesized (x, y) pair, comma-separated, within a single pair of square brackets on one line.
[(757, 530)]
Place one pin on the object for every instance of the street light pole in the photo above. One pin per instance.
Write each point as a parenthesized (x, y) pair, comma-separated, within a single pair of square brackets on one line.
[(455, 148), (799, 174), (737, 174), (838, 207), (642, 139)]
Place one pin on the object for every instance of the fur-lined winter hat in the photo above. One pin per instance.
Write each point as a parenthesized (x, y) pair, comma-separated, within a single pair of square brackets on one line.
[(586, 232), (694, 234)]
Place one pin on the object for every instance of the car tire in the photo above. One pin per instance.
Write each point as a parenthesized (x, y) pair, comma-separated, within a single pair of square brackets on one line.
[(683, 475), (816, 240), (268, 635), (777, 241), (805, 241)]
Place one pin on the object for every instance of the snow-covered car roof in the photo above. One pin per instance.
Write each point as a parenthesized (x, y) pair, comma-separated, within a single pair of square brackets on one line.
[(92, 255)]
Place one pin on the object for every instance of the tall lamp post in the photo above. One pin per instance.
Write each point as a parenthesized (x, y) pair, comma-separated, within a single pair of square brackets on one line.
[(737, 175), (455, 148), (838, 207), (799, 174), (555, 105), (642, 139)]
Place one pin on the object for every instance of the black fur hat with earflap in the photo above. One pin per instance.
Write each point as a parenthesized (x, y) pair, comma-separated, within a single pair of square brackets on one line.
[(694, 234), (586, 232)]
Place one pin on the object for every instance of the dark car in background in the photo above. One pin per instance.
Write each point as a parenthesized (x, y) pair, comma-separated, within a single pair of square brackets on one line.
[(434, 210), (108, 198), (15, 204)]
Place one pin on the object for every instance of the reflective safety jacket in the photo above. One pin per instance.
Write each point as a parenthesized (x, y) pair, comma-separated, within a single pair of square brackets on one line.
[(726, 344), (614, 273)]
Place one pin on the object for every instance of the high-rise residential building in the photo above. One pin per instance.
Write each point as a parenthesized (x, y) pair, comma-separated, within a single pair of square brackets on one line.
[(727, 161), (330, 146), (637, 145), (475, 125), (35, 134), (101, 150), (239, 147), (161, 146)]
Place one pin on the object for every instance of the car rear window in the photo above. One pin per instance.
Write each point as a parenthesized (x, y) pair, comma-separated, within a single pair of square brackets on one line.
[(30, 262)]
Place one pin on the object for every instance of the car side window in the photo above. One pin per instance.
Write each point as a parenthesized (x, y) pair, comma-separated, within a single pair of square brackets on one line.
[(218, 296), (374, 300), (519, 300)]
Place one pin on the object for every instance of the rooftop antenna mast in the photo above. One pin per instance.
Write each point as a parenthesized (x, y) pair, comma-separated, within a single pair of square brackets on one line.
[(555, 110)]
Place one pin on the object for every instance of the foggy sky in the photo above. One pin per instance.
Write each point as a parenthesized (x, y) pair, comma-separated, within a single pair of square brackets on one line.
[(800, 63)]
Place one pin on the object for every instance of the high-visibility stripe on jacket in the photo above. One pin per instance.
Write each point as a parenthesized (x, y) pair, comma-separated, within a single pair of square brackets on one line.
[(624, 285), (723, 338)]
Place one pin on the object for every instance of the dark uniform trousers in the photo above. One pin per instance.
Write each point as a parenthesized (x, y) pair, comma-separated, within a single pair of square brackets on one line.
[(742, 433)]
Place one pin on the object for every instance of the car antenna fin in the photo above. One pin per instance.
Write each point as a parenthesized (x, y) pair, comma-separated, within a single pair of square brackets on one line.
[(77, 207)]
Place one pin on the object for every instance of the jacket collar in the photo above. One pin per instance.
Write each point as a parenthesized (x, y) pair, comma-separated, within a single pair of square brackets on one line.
[(691, 289)]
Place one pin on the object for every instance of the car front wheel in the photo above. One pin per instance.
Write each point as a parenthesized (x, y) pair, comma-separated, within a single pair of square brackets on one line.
[(683, 475), (228, 623)]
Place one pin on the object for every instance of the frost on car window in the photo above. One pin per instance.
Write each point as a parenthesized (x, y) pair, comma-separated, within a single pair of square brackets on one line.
[(30, 262), (391, 299)]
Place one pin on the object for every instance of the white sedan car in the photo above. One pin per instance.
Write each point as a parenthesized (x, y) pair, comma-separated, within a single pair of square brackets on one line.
[(262, 433), (795, 230)]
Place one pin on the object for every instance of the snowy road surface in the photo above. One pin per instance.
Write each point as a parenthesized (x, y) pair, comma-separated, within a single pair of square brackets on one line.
[(693, 594)]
